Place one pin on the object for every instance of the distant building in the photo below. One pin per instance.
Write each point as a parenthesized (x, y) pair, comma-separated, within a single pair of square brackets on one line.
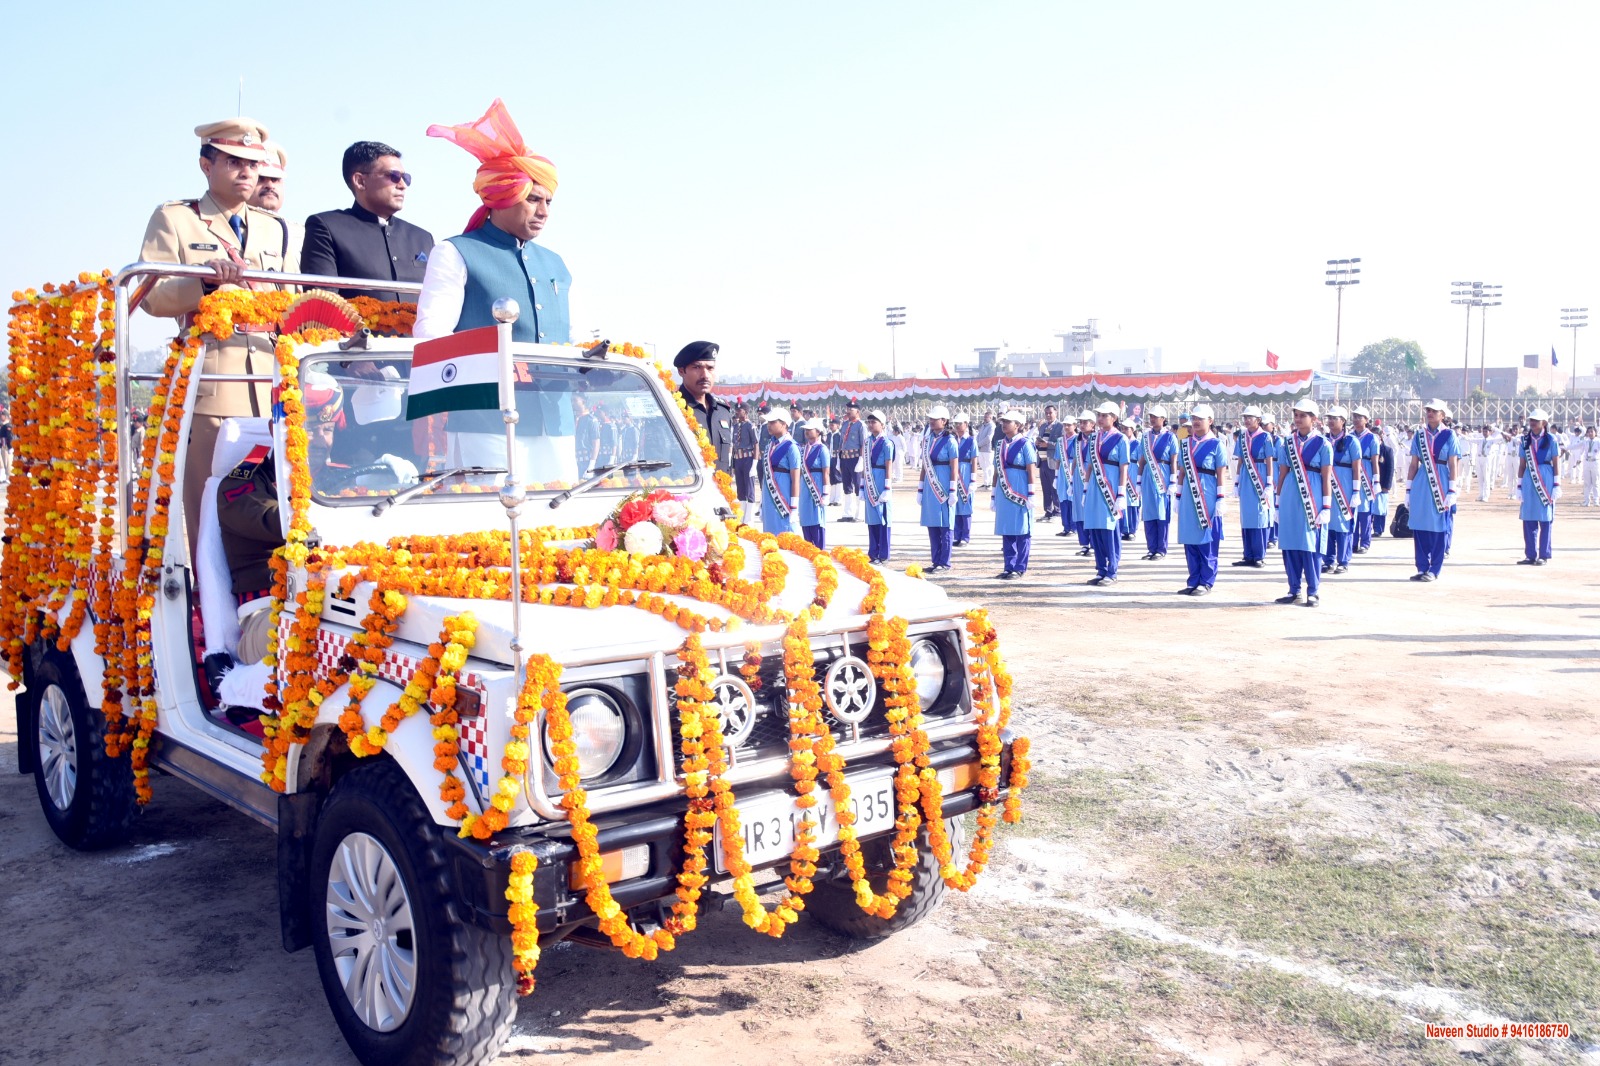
[(1506, 382), (1127, 361)]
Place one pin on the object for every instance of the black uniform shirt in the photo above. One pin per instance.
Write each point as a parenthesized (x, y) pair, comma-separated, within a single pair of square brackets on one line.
[(355, 243), (716, 418)]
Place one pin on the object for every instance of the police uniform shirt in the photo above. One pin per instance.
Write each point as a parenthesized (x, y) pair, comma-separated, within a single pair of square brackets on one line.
[(247, 514), (194, 232), (355, 243), (716, 418)]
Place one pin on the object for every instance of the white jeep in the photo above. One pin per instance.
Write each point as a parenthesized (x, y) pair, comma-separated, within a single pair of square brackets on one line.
[(408, 916)]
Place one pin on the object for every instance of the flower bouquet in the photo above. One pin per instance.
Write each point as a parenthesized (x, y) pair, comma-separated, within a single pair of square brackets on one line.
[(659, 523)]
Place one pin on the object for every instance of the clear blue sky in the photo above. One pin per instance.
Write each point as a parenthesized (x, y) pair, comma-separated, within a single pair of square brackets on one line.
[(750, 172)]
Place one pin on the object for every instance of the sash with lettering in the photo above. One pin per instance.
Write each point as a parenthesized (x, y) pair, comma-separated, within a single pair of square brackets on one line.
[(1346, 508), (1257, 480), (869, 485), (771, 479), (1197, 494), (963, 490), (1530, 455), (1135, 493), (1365, 482), (1302, 480), (1006, 448), (940, 493), (811, 485), (1101, 480), (1430, 466), (1150, 442)]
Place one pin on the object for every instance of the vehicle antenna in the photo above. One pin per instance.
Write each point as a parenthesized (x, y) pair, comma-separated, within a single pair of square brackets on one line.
[(240, 101)]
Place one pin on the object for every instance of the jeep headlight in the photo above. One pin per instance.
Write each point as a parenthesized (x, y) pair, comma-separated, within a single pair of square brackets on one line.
[(927, 665), (599, 731)]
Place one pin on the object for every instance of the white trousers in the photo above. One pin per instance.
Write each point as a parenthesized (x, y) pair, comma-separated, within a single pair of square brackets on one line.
[(1591, 483)]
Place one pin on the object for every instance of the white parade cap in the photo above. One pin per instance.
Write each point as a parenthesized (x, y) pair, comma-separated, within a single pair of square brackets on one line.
[(1108, 408), (1362, 412), (962, 417), (1015, 416), (1307, 406), (1251, 412), (876, 415), (1158, 411), (1202, 410), (1435, 405), (1540, 413), (939, 410), (1085, 415), (1338, 412), (778, 414)]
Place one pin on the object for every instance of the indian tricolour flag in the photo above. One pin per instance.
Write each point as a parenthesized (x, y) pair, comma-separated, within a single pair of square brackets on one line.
[(460, 372)]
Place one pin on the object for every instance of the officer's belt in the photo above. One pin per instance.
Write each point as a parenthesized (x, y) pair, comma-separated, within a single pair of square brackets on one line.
[(238, 327)]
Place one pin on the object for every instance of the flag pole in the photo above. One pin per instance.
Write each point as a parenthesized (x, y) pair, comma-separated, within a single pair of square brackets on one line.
[(513, 492)]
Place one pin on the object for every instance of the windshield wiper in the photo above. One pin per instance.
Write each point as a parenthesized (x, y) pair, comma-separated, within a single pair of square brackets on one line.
[(600, 475), (426, 483)]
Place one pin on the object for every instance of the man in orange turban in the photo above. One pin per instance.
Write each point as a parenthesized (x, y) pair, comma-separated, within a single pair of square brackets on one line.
[(496, 256)]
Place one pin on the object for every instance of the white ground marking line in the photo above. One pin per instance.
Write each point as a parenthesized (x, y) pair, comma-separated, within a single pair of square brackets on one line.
[(143, 853)]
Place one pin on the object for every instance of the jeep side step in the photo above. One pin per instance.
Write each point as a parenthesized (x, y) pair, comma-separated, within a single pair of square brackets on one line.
[(247, 795)]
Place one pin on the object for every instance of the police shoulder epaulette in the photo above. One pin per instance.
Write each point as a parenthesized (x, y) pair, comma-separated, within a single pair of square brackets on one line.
[(252, 462)]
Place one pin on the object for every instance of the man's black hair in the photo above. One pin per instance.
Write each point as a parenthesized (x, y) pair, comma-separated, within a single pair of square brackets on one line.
[(361, 155)]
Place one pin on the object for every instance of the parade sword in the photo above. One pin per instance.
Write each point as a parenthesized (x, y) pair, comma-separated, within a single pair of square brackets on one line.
[(513, 492)]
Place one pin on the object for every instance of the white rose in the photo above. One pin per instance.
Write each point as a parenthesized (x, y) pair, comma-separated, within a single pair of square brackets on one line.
[(644, 539), (717, 535)]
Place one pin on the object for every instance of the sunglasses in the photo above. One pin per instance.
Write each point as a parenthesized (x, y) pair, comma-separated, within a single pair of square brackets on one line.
[(398, 177)]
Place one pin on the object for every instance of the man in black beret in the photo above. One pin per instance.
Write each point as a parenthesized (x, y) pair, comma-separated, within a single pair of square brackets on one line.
[(697, 373)]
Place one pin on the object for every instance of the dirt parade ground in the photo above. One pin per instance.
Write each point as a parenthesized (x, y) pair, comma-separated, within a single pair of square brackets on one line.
[(1257, 834)]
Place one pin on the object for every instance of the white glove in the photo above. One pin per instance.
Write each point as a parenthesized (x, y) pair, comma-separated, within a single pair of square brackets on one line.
[(1449, 499), (1324, 516), (1222, 507), (405, 471), (1174, 490), (1122, 505), (1556, 494), (1405, 487), (1516, 496), (1234, 492)]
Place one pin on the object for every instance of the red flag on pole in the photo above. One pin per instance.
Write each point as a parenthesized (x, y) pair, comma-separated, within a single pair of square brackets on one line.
[(1272, 360), (944, 370), (785, 373)]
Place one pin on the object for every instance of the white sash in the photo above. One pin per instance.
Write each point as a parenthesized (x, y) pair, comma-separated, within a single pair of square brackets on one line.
[(869, 485), (1197, 494), (1346, 508), (1005, 478), (1430, 467), (939, 492), (1301, 478), (1101, 481), (1256, 480), (811, 485), (1531, 457), (779, 498)]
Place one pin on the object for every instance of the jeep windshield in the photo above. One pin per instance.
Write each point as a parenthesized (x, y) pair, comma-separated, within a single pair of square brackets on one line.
[(573, 421)]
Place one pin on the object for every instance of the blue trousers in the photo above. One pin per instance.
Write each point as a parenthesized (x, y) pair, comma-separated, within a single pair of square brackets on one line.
[(1536, 535), (1303, 568), (1364, 529), (1066, 516), (1449, 530), (878, 542), (1130, 520), (1202, 558), (1255, 544), (1338, 549), (817, 535), (1015, 550), (963, 528), (1155, 536), (1380, 522), (1107, 544), (1083, 534), (939, 538), (1429, 548), (1272, 535)]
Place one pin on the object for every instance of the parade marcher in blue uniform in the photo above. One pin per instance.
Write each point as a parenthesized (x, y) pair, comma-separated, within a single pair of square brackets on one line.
[(1270, 424), (1130, 516), (1014, 460), (1346, 449), (852, 444), (1305, 500), (1366, 478), (1065, 452), (780, 467), (815, 460), (1198, 498), (746, 441), (1107, 496), (1254, 488), (877, 481), (1385, 483), (936, 491), (966, 458), (1079, 481), (1155, 476), (1430, 489), (1539, 471)]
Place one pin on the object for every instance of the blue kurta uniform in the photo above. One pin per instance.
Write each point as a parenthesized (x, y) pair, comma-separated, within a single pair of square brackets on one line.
[(1200, 536), (1255, 454), (814, 496), (1346, 500), (966, 457), (1299, 537), (1367, 484), (1538, 513), (1130, 514), (1160, 450), (1431, 519), (780, 462), (1108, 458), (939, 497), (879, 456), (1013, 518), (1066, 451)]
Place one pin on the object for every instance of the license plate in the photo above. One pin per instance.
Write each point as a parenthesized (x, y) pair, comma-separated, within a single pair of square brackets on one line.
[(769, 819)]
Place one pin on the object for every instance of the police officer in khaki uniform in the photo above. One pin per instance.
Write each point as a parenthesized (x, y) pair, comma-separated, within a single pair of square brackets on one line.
[(269, 191), (220, 230)]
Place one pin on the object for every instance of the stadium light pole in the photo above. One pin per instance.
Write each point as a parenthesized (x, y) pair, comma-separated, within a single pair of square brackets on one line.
[(1468, 293), (783, 354), (1574, 318), (893, 317), (1490, 297), (1341, 275)]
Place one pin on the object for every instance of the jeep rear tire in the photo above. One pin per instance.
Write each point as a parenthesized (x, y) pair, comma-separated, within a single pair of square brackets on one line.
[(834, 902), (87, 796), (409, 978)]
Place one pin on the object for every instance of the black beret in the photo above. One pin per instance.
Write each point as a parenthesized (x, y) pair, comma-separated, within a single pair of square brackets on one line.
[(694, 352)]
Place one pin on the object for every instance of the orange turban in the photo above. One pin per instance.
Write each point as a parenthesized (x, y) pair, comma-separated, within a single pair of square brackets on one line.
[(506, 167)]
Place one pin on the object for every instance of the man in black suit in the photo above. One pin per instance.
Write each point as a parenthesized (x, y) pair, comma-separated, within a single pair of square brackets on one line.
[(366, 240)]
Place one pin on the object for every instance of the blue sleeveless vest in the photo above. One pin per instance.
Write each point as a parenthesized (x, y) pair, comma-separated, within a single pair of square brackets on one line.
[(532, 275)]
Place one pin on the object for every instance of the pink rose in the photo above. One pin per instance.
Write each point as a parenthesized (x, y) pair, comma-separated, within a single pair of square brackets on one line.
[(691, 544), (605, 538), (670, 513)]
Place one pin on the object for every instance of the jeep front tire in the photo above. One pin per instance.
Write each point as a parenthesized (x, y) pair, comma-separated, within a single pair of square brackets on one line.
[(833, 902), (87, 796), (409, 978)]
